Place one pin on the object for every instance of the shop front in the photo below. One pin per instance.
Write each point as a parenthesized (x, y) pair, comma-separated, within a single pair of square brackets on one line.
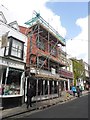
[(11, 83), (11, 86), (44, 88)]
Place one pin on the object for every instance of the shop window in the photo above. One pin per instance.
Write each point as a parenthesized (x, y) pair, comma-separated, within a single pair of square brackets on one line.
[(55, 87), (40, 87), (50, 87), (62, 85), (46, 88), (4, 76), (13, 82)]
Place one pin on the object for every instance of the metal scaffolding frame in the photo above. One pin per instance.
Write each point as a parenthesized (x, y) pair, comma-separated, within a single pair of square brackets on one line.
[(47, 57), (34, 26), (46, 24)]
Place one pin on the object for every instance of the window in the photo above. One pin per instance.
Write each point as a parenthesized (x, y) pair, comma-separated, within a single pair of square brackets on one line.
[(15, 48), (53, 50), (41, 61), (40, 44), (13, 81)]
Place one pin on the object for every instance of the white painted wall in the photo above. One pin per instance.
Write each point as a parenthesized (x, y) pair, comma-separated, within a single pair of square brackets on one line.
[(68, 84), (86, 69), (86, 66), (5, 28)]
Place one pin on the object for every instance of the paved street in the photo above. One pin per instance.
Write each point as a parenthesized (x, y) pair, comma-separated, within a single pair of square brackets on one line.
[(74, 109), (77, 108)]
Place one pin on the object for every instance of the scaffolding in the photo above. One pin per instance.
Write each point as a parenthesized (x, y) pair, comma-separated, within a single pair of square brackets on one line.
[(44, 48), (44, 52), (34, 25), (37, 18)]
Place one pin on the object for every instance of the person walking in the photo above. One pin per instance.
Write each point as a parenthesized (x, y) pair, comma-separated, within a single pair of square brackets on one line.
[(29, 96), (73, 90), (81, 89), (78, 91)]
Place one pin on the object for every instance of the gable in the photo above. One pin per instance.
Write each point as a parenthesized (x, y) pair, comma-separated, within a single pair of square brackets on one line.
[(2, 17), (14, 25)]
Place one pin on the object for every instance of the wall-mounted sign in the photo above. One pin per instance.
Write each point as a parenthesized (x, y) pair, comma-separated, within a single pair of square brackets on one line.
[(11, 63)]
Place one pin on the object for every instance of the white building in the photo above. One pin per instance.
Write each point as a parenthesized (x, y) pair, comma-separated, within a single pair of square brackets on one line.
[(68, 71), (70, 68), (85, 80), (86, 69), (12, 61), (87, 77)]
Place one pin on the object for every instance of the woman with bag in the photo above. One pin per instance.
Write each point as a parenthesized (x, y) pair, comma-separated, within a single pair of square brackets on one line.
[(73, 90)]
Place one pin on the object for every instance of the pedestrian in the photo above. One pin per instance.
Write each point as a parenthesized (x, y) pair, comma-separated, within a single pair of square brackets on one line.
[(78, 91), (29, 96), (73, 90), (81, 88)]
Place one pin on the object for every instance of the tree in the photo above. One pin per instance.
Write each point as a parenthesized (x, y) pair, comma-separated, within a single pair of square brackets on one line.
[(78, 70)]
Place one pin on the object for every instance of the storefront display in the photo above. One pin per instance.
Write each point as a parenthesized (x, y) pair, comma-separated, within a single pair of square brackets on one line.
[(11, 89), (11, 84)]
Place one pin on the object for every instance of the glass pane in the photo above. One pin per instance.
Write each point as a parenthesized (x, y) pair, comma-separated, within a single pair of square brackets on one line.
[(16, 49), (13, 82)]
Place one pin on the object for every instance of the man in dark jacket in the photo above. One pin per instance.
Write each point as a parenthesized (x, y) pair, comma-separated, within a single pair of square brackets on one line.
[(29, 96), (78, 91)]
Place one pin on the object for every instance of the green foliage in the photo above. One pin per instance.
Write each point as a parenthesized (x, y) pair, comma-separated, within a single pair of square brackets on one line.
[(78, 69), (74, 82)]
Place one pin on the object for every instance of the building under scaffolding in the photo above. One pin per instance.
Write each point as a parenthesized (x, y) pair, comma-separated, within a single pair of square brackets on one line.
[(45, 58)]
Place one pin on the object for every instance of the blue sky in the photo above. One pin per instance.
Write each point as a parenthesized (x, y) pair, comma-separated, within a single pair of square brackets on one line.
[(69, 12), (70, 19)]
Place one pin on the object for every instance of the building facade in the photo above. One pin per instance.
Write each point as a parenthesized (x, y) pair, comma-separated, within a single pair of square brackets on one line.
[(81, 73), (12, 62), (87, 76), (46, 60)]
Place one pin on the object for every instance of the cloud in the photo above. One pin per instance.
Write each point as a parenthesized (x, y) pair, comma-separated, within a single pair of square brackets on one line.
[(22, 11), (78, 46)]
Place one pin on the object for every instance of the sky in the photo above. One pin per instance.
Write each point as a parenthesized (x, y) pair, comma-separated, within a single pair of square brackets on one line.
[(69, 18), (69, 13)]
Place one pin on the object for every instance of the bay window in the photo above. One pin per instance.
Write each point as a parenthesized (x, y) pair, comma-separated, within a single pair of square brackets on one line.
[(15, 48)]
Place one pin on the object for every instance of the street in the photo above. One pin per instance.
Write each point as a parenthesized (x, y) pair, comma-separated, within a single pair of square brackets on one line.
[(77, 108)]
